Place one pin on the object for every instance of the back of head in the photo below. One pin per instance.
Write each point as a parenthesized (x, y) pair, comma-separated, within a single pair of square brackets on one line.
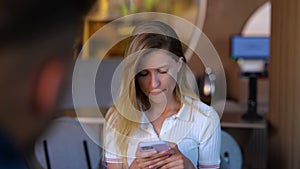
[(36, 45), (32, 31)]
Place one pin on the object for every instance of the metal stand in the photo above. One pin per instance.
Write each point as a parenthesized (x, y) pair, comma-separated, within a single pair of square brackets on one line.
[(251, 114)]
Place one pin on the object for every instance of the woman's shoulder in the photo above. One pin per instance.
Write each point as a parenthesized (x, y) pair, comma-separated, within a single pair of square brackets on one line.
[(201, 106), (203, 111), (206, 120)]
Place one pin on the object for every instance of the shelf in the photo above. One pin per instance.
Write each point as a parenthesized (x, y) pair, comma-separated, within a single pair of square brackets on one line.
[(234, 120)]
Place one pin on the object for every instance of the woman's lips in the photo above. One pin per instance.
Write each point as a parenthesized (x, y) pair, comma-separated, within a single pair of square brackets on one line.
[(156, 92)]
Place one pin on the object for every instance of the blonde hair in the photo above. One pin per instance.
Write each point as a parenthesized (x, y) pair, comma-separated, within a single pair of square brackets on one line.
[(125, 115)]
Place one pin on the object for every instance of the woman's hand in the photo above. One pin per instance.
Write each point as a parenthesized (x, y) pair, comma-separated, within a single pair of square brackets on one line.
[(148, 159), (176, 160)]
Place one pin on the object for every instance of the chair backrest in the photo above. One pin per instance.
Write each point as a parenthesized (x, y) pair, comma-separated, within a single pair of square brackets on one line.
[(66, 145), (231, 156)]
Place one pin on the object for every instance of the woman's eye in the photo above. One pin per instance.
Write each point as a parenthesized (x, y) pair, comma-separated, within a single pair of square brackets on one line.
[(163, 71), (143, 73)]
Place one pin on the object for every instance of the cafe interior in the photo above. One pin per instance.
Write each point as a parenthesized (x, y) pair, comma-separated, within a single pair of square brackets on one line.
[(251, 81)]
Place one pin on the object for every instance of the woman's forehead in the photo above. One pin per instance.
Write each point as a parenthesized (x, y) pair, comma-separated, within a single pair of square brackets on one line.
[(156, 59)]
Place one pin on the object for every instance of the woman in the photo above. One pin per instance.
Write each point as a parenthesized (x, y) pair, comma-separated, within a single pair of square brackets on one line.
[(156, 102)]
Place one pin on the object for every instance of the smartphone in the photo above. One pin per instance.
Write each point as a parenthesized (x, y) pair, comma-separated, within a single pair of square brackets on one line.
[(154, 145)]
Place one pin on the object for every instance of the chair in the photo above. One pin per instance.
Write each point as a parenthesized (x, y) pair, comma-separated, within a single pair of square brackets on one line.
[(66, 145), (231, 156)]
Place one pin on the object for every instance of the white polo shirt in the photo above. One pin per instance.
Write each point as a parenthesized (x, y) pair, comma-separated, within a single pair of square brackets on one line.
[(198, 136)]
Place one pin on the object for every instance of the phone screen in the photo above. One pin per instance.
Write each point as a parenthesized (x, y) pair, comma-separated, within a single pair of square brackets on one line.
[(154, 145)]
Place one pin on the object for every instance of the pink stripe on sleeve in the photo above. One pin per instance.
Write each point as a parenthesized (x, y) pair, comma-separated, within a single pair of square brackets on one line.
[(113, 160), (209, 166)]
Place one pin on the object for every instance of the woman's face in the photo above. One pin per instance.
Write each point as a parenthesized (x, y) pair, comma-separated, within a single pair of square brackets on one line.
[(157, 74)]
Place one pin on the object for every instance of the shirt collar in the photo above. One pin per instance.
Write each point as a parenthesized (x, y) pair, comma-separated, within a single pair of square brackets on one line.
[(185, 113), (144, 121)]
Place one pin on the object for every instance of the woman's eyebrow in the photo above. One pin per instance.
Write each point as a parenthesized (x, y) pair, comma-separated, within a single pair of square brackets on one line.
[(163, 66), (159, 67)]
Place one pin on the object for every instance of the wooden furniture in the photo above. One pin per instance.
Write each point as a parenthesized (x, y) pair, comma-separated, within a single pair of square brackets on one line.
[(234, 120), (251, 136)]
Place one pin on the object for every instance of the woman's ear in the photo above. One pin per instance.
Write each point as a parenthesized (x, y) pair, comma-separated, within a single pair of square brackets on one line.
[(48, 84)]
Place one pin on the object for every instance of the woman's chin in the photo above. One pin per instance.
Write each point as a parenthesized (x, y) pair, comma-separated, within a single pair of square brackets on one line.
[(158, 98)]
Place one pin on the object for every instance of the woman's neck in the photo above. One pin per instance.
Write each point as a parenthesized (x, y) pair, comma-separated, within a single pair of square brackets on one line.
[(158, 113), (163, 110)]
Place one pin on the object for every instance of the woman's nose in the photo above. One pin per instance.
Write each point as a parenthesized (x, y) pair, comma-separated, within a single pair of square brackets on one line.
[(154, 80)]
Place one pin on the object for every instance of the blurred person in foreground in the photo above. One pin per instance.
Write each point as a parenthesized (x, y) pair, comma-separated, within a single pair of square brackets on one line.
[(35, 53)]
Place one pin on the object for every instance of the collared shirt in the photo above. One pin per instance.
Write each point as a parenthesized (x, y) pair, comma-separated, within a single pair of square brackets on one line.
[(195, 129)]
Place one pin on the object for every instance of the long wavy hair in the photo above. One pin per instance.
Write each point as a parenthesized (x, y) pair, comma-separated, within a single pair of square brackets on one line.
[(124, 116)]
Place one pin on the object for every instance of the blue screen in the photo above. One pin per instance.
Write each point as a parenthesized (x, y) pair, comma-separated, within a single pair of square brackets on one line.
[(250, 47)]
